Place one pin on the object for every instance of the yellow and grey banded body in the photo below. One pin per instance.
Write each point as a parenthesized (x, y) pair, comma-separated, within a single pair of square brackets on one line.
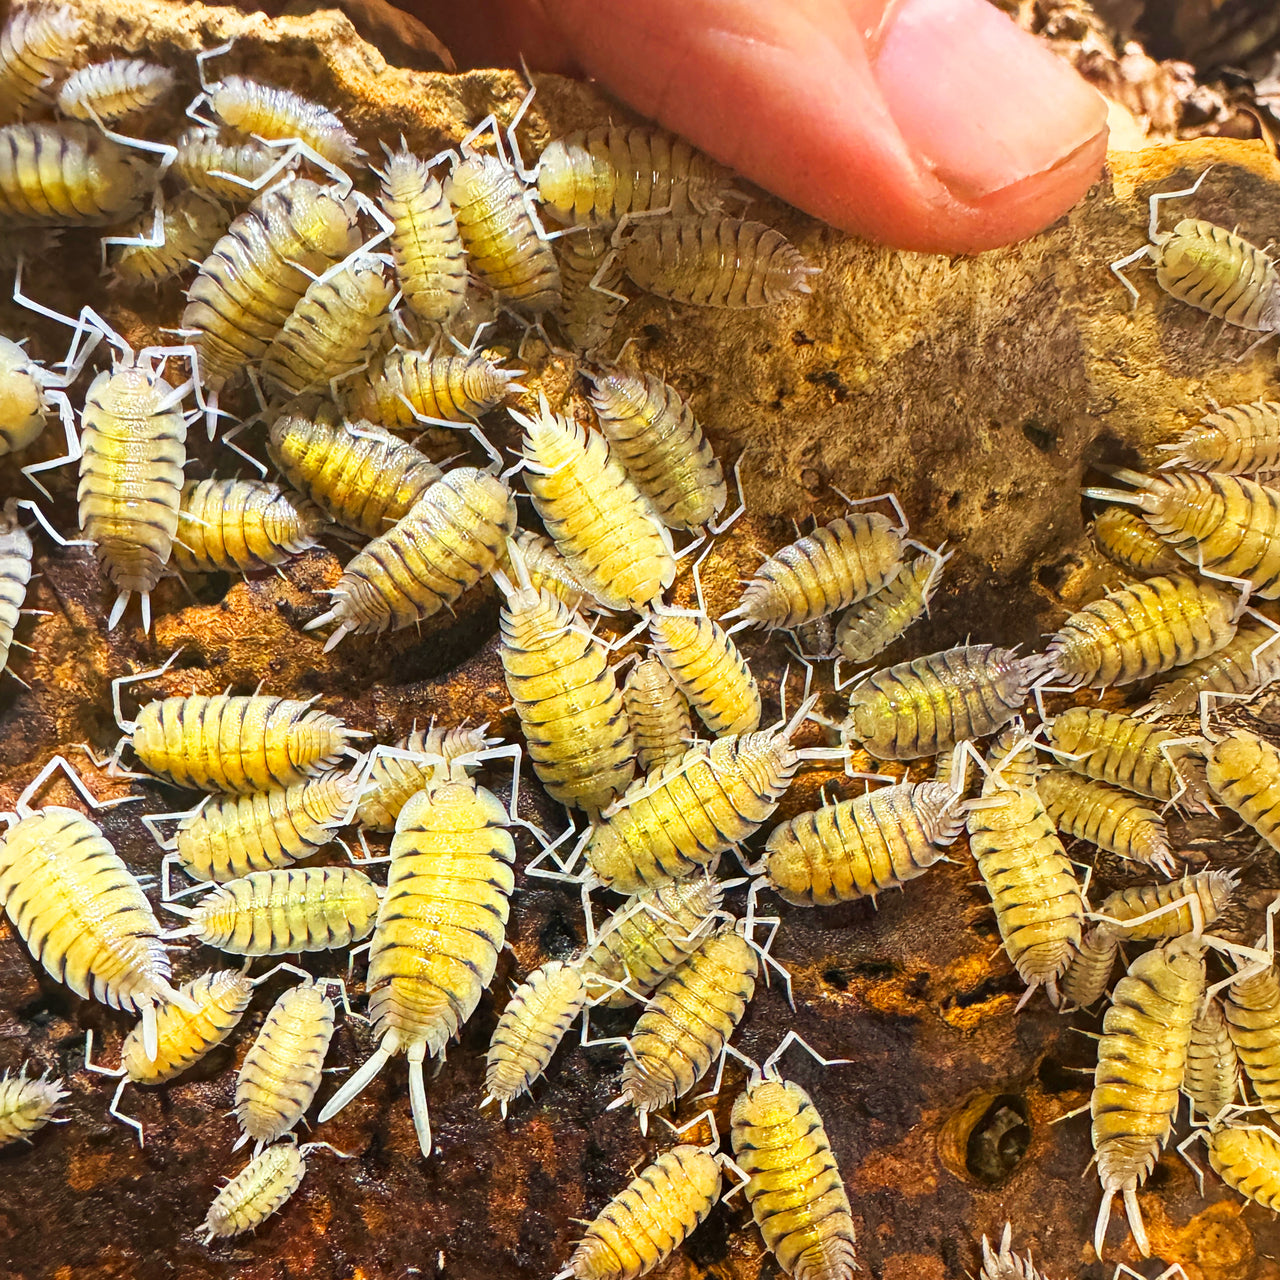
[(827, 570), (15, 574), (1247, 1159), (1139, 631), (280, 1074), (1212, 1075), (233, 526), (266, 111), (1250, 661), (256, 273), (1225, 525), (1209, 893), (595, 176), (401, 387), (652, 431), (111, 90), (587, 315), (1252, 1008), (190, 225), (1244, 773), (1128, 540), (649, 936), (260, 1189), (688, 1020), (869, 627), (236, 744), (332, 329), (271, 913), (541, 1009), (706, 665), (1088, 974), (1141, 1059), (600, 522), (431, 263), (361, 475), (794, 1187), (567, 698), (392, 780), (504, 246), (1237, 440), (860, 847), (231, 836), (548, 568), (658, 714), (27, 1104), (441, 925), (220, 168), (24, 409), (37, 44), (926, 706), (1107, 817), (447, 541), (650, 1218), (714, 262)]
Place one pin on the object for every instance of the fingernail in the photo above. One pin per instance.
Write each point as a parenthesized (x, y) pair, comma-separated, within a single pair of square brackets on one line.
[(982, 103)]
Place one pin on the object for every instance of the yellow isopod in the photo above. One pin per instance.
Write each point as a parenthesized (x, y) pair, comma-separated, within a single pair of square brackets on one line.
[(271, 913), (1088, 974), (1244, 773), (658, 714), (1247, 1159), (189, 227), (28, 1103), (37, 43), (15, 573), (1253, 1022), (233, 526), (587, 315), (1127, 540), (706, 665), (228, 171), (109, 91), (441, 925), (1139, 631), (1212, 1076), (1250, 661), (869, 627), (600, 522), (392, 779), (360, 475), (1189, 905), (24, 400), (1107, 817), (447, 542), (548, 569), (1237, 440)]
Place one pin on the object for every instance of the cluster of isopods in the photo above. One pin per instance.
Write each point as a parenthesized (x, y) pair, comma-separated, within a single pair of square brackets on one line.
[(294, 292)]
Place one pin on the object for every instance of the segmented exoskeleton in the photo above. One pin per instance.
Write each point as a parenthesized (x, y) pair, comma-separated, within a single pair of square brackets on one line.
[(1244, 773), (28, 1103), (1247, 663), (1247, 1159), (706, 665), (225, 170), (1237, 440), (392, 779), (869, 627), (1252, 1010), (1207, 892), (234, 526), (1212, 1075), (1088, 974), (36, 45), (1130, 542), (189, 227), (109, 91), (260, 1189), (278, 115), (587, 315), (15, 573), (658, 714)]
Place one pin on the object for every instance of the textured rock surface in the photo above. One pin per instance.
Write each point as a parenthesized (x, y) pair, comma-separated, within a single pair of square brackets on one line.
[(978, 390)]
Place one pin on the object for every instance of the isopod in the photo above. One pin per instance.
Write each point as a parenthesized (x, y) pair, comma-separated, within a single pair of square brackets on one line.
[(1247, 663), (1088, 974), (1004, 1264), (706, 665), (1244, 773), (1252, 1010), (228, 171), (1247, 1159), (1212, 1076), (869, 627), (109, 91), (27, 1103), (587, 315), (547, 568), (1129, 541), (658, 714), (24, 401), (392, 779), (1189, 905), (37, 43), (234, 526), (189, 226), (1237, 440), (15, 574)]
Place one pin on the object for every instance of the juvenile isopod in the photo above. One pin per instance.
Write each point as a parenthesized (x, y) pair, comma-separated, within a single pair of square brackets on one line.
[(188, 227), (706, 665), (1237, 440), (234, 526), (1244, 773), (1003, 1263), (28, 1103), (15, 574), (871, 625), (1139, 631), (1212, 1076), (390, 780), (1248, 662), (1247, 1158), (1189, 905), (27, 391), (360, 475), (228, 171), (446, 542), (273, 913), (1129, 541), (1252, 1010), (109, 91), (548, 568), (1088, 973), (37, 43), (586, 314), (658, 714)]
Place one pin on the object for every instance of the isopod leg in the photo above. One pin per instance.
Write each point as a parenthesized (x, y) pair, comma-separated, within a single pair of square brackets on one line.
[(1117, 269), (114, 1109)]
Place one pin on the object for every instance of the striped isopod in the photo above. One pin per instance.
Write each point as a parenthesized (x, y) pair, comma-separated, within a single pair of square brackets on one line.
[(869, 627), (688, 1021), (281, 1072), (1142, 1055), (189, 227), (926, 706), (271, 913), (260, 1189), (37, 43), (230, 836), (256, 273), (27, 1103), (793, 1185), (567, 698), (441, 925), (653, 433), (1088, 974), (1212, 1076), (714, 262), (1128, 540), (1034, 893), (403, 387), (594, 177), (1237, 440), (1139, 631), (392, 779), (332, 329), (1253, 1022), (68, 175), (540, 1011), (859, 847), (1244, 773), (676, 819), (1247, 1159), (233, 526), (587, 315), (548, 569), (658, 714), (23, 407), (649, 1219), (15, 574), (1228, 526), (1110, 746), (1250, 661), (706, 665), (431, 264), (648, 937), (1107, 817), (835, 566), (448, 541), (1189, 905), (600, 522), (225, 170), (1209, 268), (360, 475), (1004, 1264), (109, 91), (506, 248)]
